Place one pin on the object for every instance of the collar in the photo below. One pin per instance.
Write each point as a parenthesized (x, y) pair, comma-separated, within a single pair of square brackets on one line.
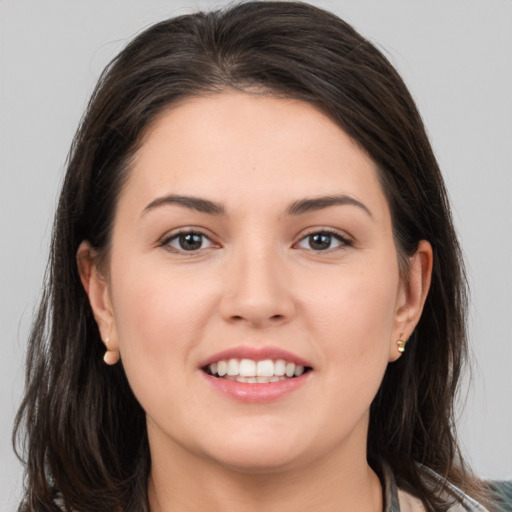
[(397, 500)]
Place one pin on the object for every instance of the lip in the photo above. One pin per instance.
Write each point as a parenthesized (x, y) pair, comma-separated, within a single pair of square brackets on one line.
[(256, 354), (256, 393)]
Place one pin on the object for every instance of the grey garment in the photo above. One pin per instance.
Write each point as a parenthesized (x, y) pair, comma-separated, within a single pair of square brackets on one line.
[(391, 503), (396, 500)]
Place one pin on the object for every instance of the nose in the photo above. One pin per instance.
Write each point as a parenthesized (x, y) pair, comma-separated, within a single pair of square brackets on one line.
[(257, 290)]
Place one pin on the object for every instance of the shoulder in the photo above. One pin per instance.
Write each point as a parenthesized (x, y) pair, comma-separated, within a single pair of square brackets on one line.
[(502, 495), (398, 500)]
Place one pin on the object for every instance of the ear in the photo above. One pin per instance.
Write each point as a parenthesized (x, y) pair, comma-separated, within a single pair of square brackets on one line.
[(411, 296), (96, 288)]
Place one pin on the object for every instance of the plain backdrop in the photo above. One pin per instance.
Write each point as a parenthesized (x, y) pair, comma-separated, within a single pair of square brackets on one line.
[(456, 57)]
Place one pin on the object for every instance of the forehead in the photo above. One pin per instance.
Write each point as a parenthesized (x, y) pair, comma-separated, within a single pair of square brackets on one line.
[(232, 146)]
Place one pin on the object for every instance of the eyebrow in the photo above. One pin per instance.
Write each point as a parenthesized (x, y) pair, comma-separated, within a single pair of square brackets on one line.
[(296, 208), (193, 203), (319, 203)]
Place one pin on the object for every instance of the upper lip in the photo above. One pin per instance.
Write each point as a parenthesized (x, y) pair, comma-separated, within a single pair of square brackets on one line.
[(256, 354)]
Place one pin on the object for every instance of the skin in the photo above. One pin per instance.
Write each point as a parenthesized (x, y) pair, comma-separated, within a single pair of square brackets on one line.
[(255, 281)]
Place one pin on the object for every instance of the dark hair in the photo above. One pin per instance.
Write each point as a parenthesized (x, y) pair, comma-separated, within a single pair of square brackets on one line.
[(86, 436)]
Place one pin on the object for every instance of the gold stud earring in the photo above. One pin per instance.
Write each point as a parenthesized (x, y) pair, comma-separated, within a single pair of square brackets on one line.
[(401, 346), (111, 357)]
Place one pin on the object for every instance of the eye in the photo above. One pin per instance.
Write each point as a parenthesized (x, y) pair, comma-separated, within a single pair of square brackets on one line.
[(322, 241), (189, 241)]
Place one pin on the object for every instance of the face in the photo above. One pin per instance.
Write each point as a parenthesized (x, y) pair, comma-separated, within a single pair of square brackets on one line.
[(252, 242)]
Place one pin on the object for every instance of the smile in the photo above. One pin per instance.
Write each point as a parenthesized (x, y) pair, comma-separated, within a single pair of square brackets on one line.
[(251, 371)]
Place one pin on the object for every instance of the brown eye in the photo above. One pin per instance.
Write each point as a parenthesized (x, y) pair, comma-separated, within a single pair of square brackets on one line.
[(188, 242), (322, 241)]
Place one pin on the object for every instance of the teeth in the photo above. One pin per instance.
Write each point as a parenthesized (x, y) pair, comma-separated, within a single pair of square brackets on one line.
[(250, 371), (222, 368), (279, 367), (247, 368), (233, 367), (265, 368), (258, 380), (249, 380), (299, 370)]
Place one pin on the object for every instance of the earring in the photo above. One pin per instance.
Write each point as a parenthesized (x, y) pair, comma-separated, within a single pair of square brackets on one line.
[(111, 357), (401, 346)]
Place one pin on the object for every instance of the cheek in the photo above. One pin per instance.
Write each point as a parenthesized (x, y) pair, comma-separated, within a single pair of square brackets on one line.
[(159, 318), (154, 303), (354, 324), (360, 308)]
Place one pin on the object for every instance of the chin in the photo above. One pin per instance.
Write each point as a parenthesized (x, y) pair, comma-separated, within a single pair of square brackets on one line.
[(257, 454), (258, 461)]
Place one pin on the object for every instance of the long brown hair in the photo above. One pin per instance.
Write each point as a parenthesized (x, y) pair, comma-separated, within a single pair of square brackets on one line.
[(83, 430)]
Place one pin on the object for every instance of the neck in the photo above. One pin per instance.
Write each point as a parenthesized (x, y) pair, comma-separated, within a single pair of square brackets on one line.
[(327, 485)]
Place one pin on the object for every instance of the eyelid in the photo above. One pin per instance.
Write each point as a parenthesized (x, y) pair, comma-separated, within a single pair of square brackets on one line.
[(164, 242), (343, 238)]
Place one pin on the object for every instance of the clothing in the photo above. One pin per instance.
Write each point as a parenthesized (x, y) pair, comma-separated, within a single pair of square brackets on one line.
[(397, 500)]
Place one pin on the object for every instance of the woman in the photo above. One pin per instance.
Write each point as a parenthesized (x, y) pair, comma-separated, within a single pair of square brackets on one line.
[(256, 297)]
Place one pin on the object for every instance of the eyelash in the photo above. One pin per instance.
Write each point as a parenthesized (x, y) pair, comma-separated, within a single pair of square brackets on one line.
[(332, 234), (179, 237), (166, 242)]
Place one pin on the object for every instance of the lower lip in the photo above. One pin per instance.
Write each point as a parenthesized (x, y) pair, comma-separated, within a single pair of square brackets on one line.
[(256, 393)]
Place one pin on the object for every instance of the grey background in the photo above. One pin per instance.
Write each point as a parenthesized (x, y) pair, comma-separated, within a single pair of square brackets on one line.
[(456, 57)]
